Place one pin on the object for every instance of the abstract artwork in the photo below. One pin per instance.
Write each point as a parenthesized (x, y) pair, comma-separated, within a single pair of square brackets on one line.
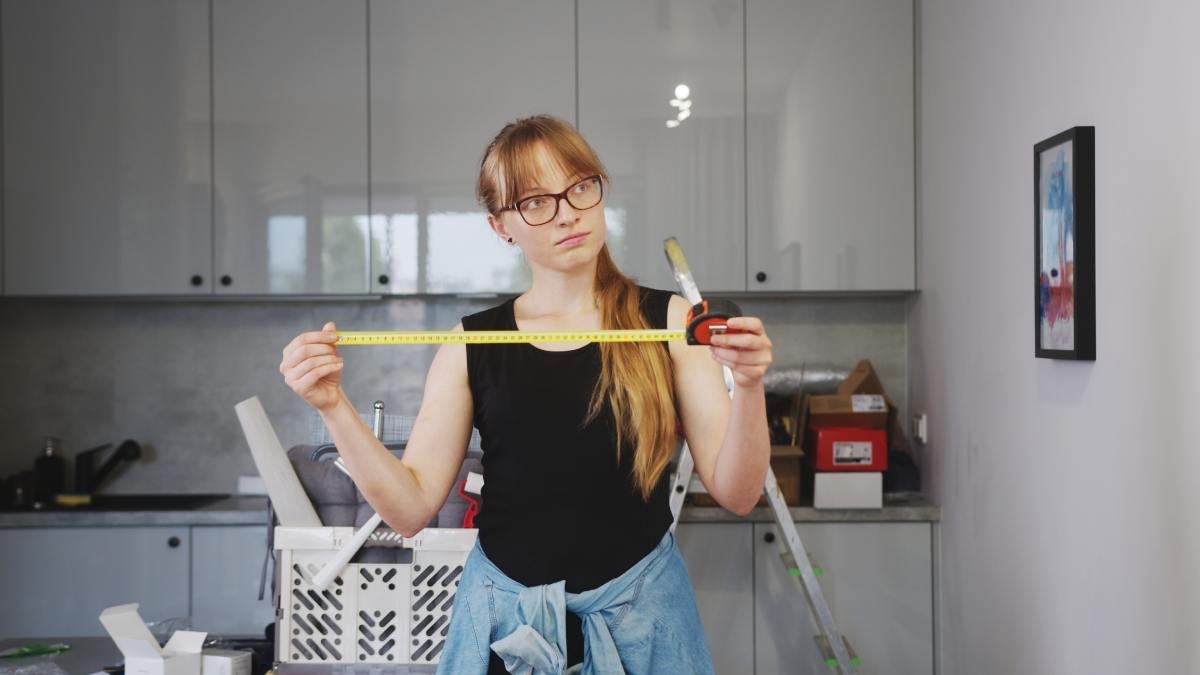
[(1064, 240)]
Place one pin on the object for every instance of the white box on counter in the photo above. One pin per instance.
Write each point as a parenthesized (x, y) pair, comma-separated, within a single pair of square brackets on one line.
[(143, 656), (224, 662), (847, 490)]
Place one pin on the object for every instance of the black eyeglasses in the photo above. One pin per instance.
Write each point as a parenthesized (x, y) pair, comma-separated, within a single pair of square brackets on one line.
[(541, 209)]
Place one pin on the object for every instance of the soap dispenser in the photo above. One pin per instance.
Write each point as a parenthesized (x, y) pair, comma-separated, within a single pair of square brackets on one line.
[(49, 472)]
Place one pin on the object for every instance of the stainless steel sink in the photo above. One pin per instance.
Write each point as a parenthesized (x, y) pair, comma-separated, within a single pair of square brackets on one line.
[(148, 502)]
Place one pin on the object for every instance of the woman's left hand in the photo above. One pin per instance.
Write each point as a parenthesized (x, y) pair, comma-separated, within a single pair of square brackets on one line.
[(746, 350)]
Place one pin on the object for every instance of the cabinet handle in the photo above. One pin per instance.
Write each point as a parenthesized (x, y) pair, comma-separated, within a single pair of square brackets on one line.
[(173, 542), (226, 280), (769, 537), (383, 279), (760, 277), (197, 280)]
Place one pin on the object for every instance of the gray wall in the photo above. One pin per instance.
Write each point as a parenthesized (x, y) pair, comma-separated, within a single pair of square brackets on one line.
[(1070, 492), (169, 373)]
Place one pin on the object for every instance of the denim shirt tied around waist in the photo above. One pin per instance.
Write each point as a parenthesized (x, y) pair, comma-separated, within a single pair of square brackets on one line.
[(644, 621)]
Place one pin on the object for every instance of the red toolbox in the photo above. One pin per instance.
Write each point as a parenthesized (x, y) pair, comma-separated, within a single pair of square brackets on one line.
[(848, 449)]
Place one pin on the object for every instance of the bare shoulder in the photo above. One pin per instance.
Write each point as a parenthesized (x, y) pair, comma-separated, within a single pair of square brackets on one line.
[(450, 362), (677, 311)]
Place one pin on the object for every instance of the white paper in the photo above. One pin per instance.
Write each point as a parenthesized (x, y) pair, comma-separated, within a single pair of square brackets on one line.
[(868, 403)]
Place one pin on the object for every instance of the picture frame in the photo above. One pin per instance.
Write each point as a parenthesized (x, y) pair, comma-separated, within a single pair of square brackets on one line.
[(1064, 244)]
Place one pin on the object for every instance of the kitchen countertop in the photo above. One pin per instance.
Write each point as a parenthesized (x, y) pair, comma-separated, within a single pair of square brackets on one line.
[(897, 507), (230, 511), (901, 507)]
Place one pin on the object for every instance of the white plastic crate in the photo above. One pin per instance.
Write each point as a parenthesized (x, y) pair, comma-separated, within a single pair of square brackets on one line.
[(384, 614)]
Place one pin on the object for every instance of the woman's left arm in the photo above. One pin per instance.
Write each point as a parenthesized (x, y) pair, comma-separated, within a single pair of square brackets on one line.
[(728, 436)]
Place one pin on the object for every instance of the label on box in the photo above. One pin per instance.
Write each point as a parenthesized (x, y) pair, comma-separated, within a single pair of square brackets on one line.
[(862, 403), (853, 453)]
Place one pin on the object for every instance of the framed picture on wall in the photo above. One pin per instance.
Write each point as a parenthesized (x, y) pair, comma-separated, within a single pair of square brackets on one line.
[(1064, 241)]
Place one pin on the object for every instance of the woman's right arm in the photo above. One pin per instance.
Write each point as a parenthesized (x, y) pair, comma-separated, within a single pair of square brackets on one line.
[(407, 492)]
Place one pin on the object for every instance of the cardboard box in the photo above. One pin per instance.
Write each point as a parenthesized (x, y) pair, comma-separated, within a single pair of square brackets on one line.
[(224, 662), (862, 380), (838, 490), (860, 401), (848, 449), (143, 656), (866, 411), (787, 461)]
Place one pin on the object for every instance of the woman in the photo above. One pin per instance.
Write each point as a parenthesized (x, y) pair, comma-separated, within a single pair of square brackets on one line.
[(575, 563)]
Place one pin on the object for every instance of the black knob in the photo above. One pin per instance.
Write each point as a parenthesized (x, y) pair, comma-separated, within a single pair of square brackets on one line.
[(760, 277), (383, 279), (197, 279), (173, 542), (769, 537), (226, 280)]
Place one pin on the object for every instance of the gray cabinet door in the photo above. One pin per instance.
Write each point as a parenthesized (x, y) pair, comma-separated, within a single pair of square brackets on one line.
[(878, 581), (720, 560), (226, 567), (829, 128), (106, 147), (290, 146), (445, 77), (686, 180), (56, 581)]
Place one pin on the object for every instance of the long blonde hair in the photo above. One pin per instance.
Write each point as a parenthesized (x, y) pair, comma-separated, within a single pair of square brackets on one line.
[(635, 381)]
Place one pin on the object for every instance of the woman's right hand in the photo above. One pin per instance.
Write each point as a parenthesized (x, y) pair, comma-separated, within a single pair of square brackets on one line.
[(312, 368)]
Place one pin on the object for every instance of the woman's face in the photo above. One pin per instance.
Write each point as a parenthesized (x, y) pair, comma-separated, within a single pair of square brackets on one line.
[(573, 238)]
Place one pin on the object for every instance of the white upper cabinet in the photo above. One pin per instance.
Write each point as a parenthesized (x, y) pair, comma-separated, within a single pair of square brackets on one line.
[(670, 176), (445, 77), (106, 147), (290, 146), (829, 171)]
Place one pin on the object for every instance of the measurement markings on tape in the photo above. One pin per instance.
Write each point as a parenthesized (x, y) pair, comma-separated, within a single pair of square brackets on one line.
[(401, 337)]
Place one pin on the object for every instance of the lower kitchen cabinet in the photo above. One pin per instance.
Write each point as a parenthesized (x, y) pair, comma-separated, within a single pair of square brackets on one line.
[(720, 560), (877, 578), (55, 581), (878, 581), (227, 563)]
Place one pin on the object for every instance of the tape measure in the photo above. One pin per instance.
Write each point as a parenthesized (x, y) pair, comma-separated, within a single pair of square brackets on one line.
[(476, 337)]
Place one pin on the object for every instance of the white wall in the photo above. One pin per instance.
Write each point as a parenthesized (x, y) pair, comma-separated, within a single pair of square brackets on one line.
[(1069, 491)]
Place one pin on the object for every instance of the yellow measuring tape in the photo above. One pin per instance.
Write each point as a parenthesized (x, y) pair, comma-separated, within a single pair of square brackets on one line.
[(475, 337)]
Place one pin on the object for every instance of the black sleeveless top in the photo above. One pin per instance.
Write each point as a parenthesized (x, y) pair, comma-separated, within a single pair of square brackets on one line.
[(556, 503)]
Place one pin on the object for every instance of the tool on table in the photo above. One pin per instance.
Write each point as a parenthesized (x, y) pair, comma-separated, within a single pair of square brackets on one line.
[(708, 318), (333, 567)]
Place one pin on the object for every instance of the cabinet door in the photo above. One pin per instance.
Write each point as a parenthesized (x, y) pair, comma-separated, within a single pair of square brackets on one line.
[(878, 581), (290, 146), (720, 560), (56, 581), (687, 180), (443, 83), (106, 147), (226, 567), (829, 168)]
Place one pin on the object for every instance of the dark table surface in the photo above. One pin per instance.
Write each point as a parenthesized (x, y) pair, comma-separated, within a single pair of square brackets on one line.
[(87, 655)]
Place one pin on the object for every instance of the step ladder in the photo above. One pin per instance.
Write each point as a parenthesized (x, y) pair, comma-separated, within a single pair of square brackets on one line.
[(835, 649)]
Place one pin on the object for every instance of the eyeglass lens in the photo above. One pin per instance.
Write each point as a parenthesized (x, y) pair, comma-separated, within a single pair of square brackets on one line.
[(541, 209)]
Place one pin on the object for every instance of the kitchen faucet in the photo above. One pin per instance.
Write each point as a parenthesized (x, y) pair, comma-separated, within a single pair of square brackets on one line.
[(87, 478)]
